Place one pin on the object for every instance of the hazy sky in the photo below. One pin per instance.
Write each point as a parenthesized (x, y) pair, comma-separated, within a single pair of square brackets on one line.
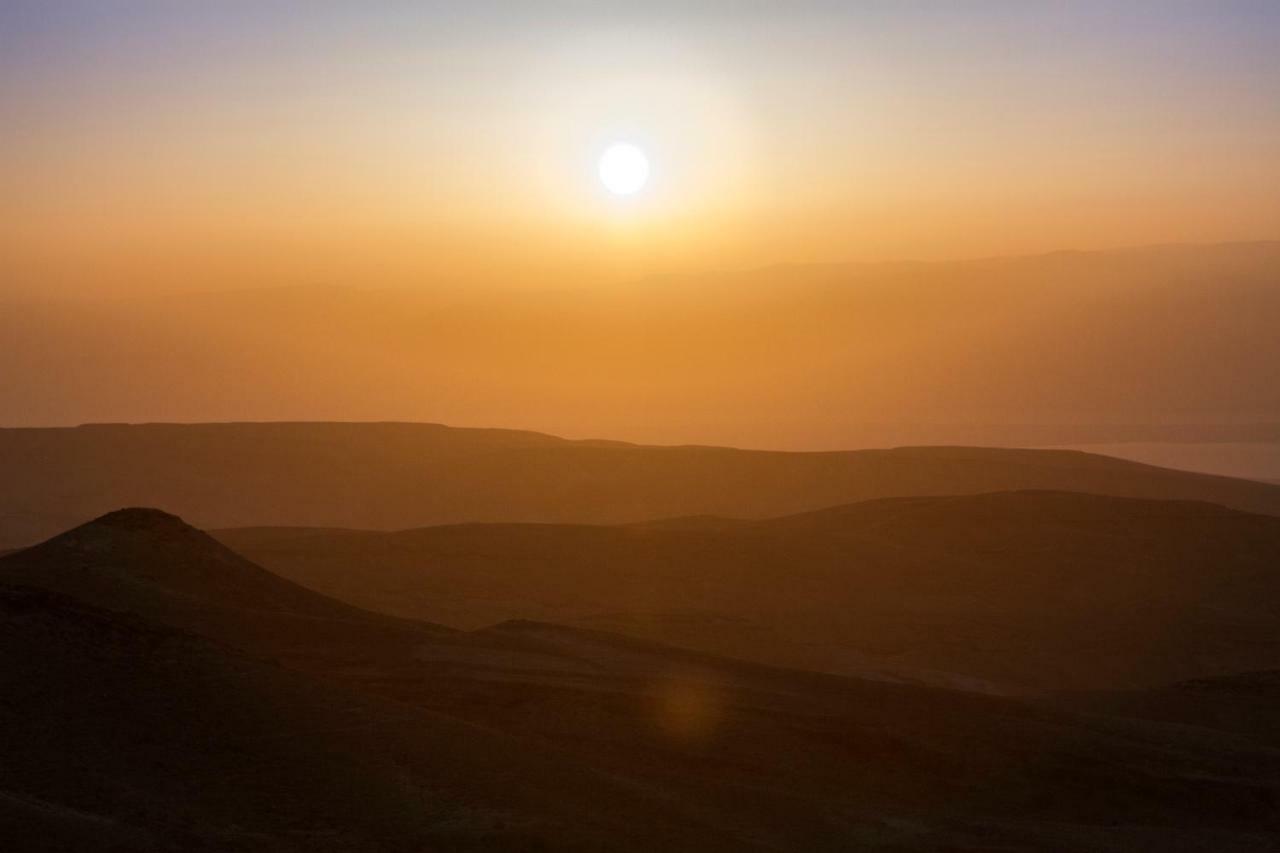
[(148, 145)]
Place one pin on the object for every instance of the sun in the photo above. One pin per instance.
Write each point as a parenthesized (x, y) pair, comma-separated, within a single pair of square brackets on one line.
[(624, 169)]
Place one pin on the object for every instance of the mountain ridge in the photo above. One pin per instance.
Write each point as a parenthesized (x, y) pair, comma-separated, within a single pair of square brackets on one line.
[(794, 357), (530, 736), (398, 475), (1018, 590)]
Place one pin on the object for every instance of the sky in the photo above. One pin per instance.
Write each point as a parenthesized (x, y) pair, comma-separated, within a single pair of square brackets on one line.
[(155, 146)]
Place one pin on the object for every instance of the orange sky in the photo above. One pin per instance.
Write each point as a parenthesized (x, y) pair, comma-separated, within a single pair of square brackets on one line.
[(153, 146), (283, 210)]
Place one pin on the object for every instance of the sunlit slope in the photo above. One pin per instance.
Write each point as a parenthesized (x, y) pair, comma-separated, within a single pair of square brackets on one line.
[(1015, 590), (391, 476)]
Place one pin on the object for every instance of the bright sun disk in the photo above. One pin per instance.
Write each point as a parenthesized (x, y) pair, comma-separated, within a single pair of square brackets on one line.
[(624, 169)]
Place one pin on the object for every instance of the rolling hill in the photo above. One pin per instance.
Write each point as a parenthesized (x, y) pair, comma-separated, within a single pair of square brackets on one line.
[(131, 721), (1007, 591), (394, 476)]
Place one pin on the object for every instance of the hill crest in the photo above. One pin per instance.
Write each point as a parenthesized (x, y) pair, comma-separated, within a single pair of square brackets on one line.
[(397, 476)]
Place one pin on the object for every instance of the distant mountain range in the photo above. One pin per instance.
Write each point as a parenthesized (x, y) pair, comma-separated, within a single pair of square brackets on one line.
[(1159, 343), (395, 476)]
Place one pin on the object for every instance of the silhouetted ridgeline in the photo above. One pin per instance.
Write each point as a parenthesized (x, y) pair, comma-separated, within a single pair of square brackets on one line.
[(1012, 591), (394, 476)]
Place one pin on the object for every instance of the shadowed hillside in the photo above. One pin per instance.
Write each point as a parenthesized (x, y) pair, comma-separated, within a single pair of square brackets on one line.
[(1013, 590), (122, 734), (127, 727), (390, 476), (1247, 703), (149, 563)]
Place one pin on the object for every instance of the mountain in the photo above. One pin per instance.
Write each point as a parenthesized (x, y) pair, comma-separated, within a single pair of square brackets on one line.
[(125, 727), (1072, 346), (151, 564), (393, 476), (142, 559), (1007, 591)]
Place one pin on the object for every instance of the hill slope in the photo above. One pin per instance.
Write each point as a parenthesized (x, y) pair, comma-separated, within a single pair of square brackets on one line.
[(121, 729), (151, 564), (123, 734), (390, 476), (1020, 590)]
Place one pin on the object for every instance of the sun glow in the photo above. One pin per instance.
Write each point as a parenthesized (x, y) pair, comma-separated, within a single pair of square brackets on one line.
[(623, 169)]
